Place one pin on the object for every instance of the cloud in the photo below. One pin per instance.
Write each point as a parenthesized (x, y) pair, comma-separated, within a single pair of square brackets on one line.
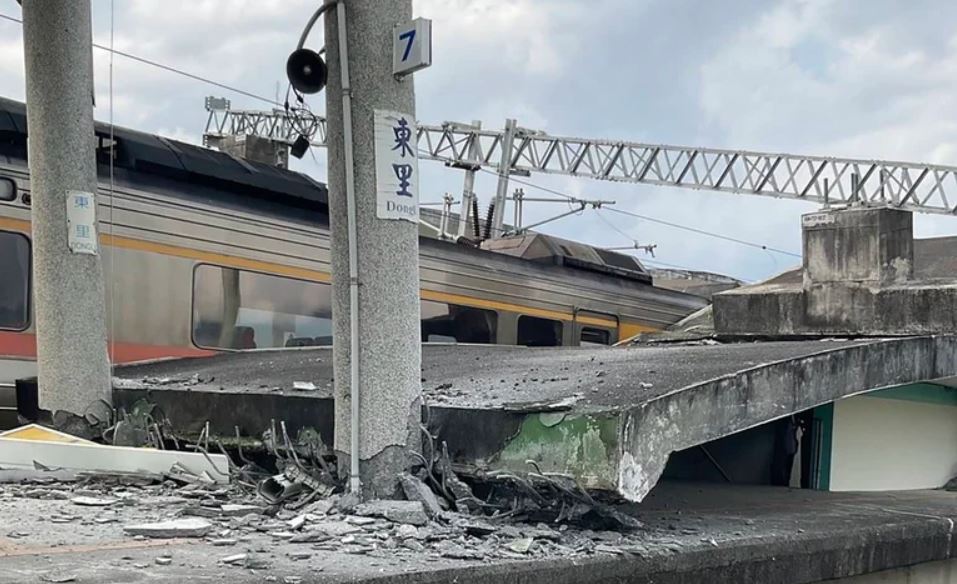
[(816, 77), (803, 76), (522, 36)]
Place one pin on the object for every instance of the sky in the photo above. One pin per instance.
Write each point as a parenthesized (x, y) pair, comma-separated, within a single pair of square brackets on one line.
[(860, 79)]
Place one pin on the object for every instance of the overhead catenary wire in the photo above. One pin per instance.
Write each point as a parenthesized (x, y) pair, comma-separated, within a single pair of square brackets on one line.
[(652, 262), (703, 232), (644, 217), (656, 220), (614, 227)]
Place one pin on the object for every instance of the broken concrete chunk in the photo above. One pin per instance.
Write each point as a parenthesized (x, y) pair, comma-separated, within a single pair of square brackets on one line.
[(59, 578), (304, 386), (460, 553), (412, 512), (479, 529), (296, 522), (322, 506), (607, 549), (347, 502), (189, 527), (163, 561), (406, 531), (234, 559), (416, 490), (222, 542), (310, 537), (335, 528), (237, 510), (520, 545), (93, 501), (361, 520)]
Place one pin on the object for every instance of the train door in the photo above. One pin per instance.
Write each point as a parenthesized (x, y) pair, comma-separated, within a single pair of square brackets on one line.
[(594, 328)]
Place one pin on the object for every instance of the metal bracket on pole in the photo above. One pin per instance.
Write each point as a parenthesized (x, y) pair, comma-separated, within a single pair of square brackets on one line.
[(648, 248), (504, 167), (518, 197), (447, 202), (583, 204)]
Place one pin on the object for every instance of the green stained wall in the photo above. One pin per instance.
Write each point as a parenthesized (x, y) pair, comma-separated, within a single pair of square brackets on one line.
[(581, 445)]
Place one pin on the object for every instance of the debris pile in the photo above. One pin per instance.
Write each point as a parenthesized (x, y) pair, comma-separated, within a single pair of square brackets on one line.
[(285, 502), (255, 534)]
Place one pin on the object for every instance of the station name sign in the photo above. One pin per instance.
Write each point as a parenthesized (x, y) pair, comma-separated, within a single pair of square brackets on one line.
[(396, 166)]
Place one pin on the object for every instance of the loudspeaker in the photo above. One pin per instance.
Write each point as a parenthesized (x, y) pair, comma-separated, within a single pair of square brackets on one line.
[(299, 147), (306, 71)]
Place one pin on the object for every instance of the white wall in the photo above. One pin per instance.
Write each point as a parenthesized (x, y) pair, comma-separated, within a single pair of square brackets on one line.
[(888, 444)]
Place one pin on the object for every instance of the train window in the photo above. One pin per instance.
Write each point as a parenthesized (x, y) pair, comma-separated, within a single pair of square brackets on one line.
[(236, 309), (595, 336), (8, 189), (15, 283), (451, 323), (539, 332)]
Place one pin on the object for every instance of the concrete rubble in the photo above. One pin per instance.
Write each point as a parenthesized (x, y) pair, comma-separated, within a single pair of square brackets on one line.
[(258, 535), (149, 531)]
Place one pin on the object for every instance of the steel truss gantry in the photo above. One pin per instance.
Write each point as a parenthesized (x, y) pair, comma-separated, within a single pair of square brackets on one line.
[(922, 188)]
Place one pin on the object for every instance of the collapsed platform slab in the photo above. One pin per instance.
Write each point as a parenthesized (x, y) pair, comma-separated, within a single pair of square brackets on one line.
[(608, 417)]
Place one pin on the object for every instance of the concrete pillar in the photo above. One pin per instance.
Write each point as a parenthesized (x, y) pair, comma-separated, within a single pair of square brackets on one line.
[(868, 246), (257, 149), (74, 371), (389, 346)]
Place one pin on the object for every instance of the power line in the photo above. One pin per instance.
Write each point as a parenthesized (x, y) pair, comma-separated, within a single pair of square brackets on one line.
[(644, 260), (637, 216), (170, 69), (614, 227), (703, 232)]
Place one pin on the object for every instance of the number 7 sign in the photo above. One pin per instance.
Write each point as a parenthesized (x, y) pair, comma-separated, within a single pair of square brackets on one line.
[(411, 46)]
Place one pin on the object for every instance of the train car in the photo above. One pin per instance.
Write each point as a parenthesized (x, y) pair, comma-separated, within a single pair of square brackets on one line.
[(205, 252)]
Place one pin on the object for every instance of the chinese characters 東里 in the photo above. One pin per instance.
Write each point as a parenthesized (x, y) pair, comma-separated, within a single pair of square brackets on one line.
[(403, 172)]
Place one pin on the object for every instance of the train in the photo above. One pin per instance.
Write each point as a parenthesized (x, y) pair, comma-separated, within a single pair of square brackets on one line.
[(205, 252)]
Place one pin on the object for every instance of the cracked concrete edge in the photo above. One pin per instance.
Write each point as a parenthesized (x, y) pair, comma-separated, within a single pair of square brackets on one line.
[(707, 411), (379, 466)]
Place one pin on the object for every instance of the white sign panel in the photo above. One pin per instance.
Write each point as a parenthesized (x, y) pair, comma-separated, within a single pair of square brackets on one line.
[(396, 167), (411, 46), (81, 222)]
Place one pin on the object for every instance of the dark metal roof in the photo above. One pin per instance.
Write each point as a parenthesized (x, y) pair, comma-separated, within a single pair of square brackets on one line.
[(149, 154)]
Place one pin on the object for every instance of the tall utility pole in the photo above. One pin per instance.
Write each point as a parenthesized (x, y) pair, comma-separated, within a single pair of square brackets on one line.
[(68, 289), (388, 340)]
